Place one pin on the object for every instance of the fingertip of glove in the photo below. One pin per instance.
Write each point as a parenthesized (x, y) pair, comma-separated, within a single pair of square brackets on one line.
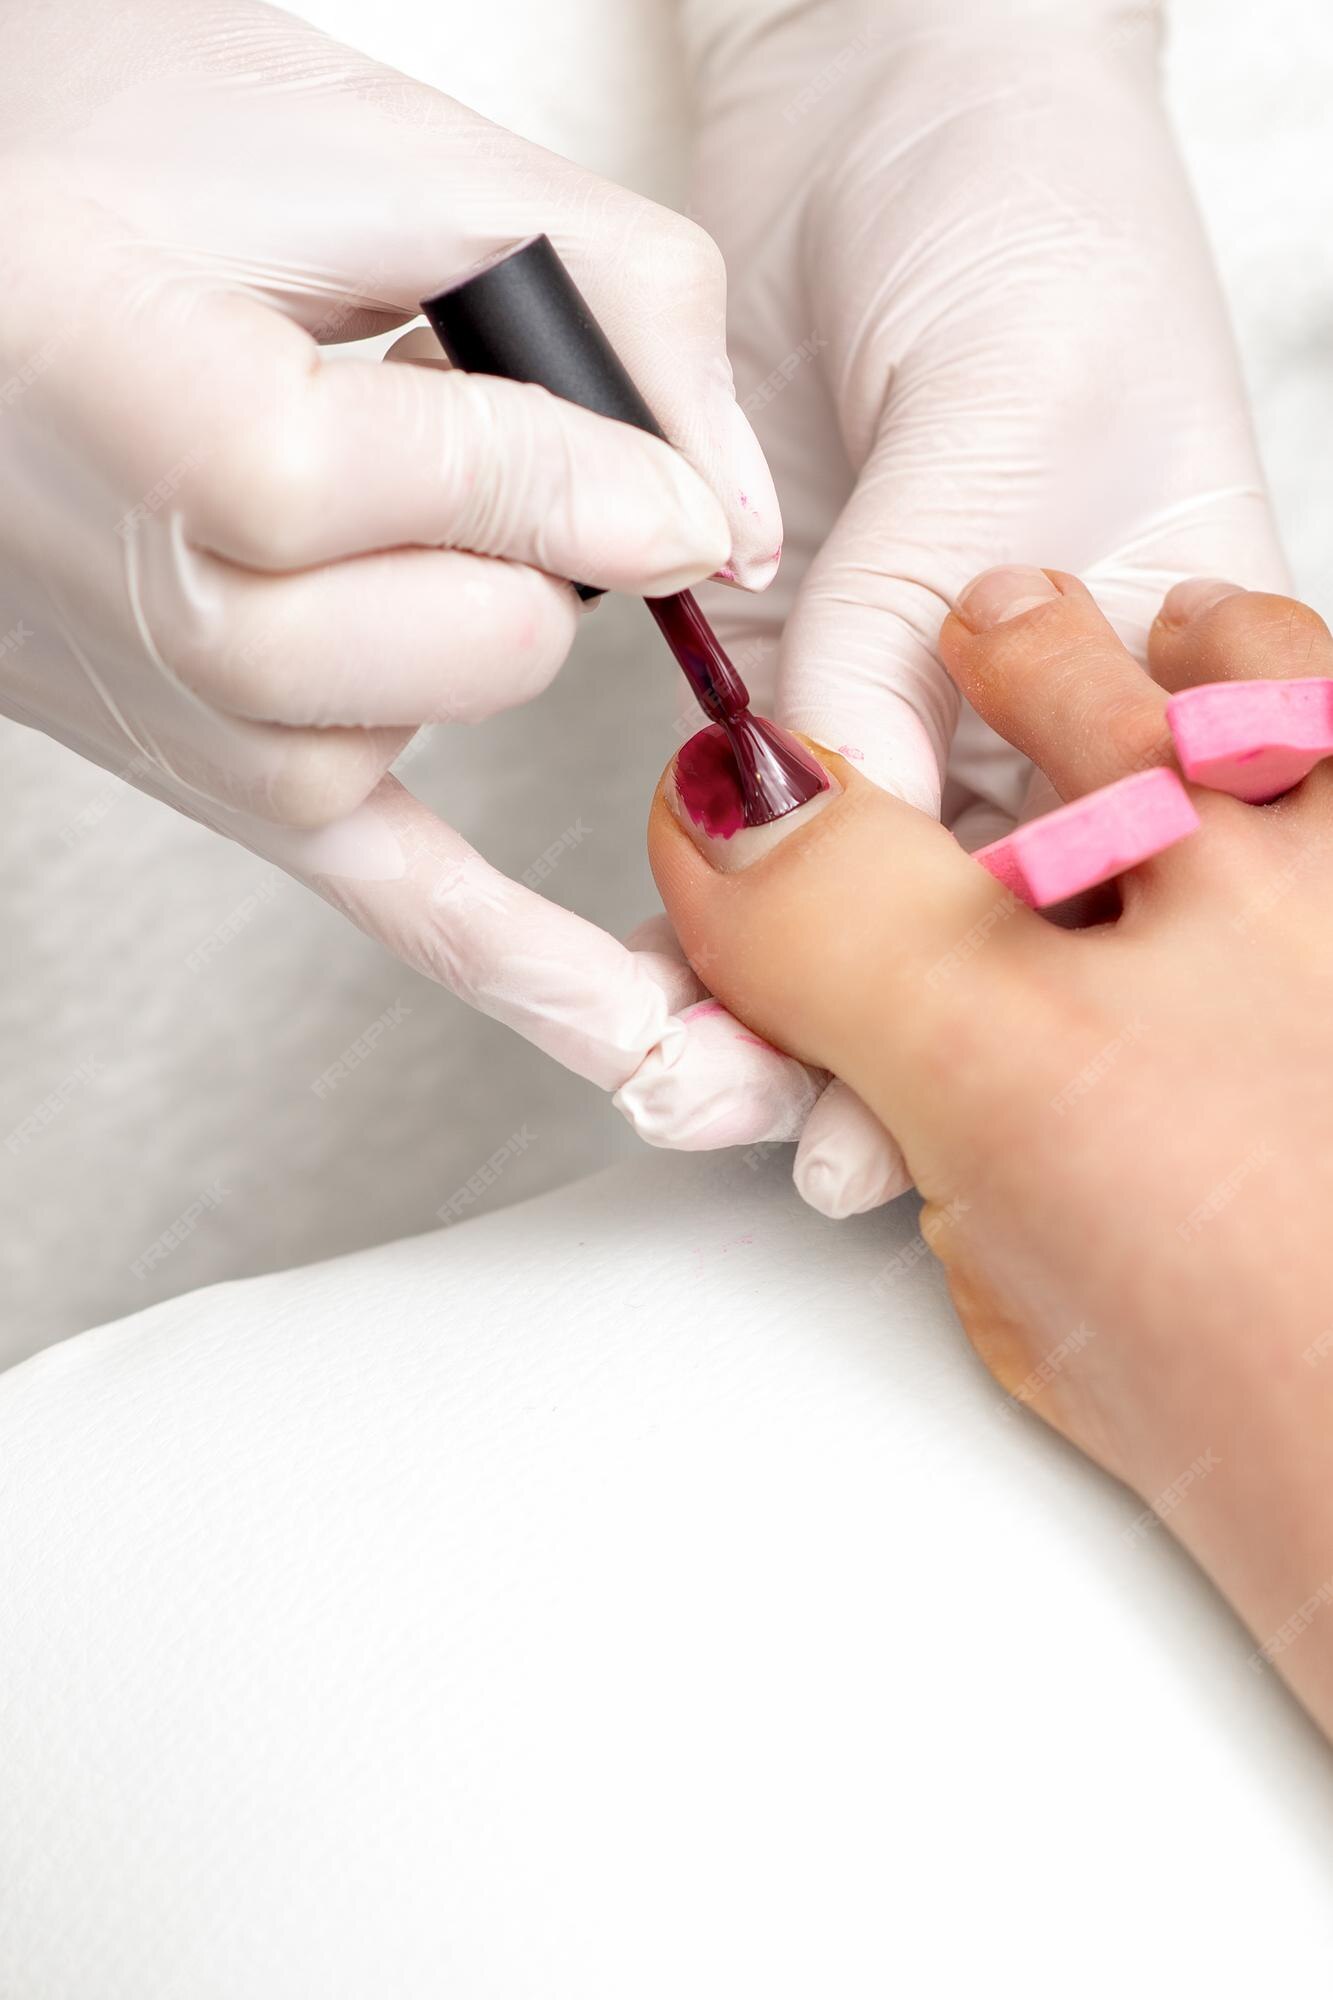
[(749, 573), (825, 1185)]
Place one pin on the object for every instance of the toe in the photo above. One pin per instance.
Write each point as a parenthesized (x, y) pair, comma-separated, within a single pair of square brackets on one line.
[(1032, 652), (1208, 630), (865, 942), (1251, 709)]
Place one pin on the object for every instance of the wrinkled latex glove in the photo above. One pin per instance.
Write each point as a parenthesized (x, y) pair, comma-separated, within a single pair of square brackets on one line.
[(975, 322), (241, 573)]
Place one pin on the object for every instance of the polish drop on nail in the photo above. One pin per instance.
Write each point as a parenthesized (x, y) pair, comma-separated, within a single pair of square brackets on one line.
[(709, 783), (744, 773)]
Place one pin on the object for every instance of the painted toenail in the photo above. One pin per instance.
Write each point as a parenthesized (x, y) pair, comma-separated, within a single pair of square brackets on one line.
[(1000, 595), (704, 793), (1191, 599)]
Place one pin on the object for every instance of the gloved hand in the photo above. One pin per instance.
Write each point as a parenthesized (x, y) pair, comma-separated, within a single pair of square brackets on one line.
[(242, 576), (975, 322)]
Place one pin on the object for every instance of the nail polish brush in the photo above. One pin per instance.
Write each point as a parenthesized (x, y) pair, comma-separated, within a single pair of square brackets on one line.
[(520, 315)]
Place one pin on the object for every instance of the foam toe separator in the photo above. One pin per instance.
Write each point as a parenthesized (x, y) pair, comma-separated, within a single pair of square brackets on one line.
[(1254, 739), (1082, 845)]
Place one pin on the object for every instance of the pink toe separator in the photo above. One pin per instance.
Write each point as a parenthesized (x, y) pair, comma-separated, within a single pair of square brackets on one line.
[(1093, 840), (1254, 739)]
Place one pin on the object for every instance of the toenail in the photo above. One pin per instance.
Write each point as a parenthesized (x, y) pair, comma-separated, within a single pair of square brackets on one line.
[(1190, 600), (1001, 594), (705, 793)]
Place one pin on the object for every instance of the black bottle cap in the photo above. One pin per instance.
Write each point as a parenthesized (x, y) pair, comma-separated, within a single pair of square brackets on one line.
[(521, 315)]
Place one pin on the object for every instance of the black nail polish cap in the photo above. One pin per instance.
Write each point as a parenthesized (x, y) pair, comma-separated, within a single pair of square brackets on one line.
[(520, 315)]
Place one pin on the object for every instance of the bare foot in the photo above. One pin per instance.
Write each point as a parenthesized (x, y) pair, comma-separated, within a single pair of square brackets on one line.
[(1124, 1134)]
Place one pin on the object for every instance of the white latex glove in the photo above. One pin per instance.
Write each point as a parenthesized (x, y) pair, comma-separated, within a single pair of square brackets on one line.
[(975, 321), (241, 574)]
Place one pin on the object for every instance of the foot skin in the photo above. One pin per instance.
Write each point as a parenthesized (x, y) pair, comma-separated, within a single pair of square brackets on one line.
[(1121, 1133)]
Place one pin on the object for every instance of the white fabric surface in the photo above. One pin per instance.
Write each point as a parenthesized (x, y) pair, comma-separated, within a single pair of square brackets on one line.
[(159, 1091), (614, 1599)]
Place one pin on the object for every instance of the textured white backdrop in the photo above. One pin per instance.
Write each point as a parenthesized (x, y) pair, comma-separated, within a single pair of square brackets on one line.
[(185, 1084), (642, 1594), (616, 1599)]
